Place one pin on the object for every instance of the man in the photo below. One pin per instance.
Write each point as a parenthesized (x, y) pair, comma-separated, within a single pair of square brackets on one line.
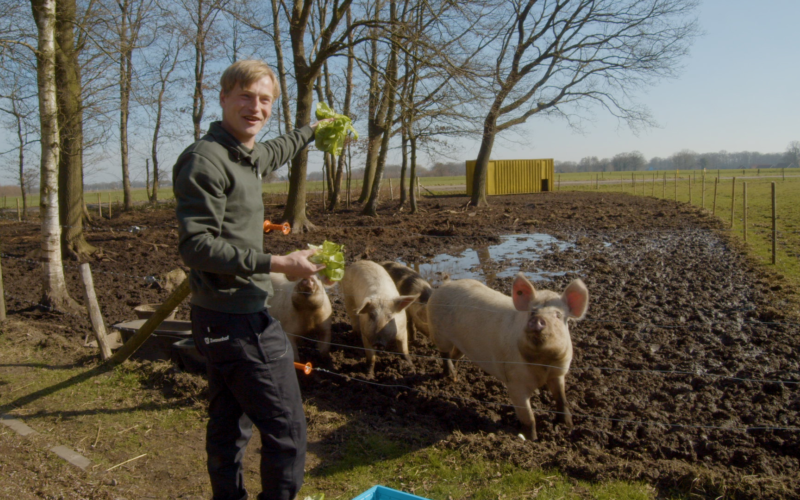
[(251, 377)]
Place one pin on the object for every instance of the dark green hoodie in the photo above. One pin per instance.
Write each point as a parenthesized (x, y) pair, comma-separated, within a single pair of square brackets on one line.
[(217, 186)]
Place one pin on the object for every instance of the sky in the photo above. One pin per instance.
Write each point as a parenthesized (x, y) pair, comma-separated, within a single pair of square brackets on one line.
[(739, 90)]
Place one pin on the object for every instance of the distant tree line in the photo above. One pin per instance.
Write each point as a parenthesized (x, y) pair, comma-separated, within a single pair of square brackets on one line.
[(684, 160)]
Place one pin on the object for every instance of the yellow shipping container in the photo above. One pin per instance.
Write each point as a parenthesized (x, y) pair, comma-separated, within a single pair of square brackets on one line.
[(515, 176)]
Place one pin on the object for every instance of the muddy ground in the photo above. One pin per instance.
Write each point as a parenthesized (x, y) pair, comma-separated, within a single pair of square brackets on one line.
[(685, 372)]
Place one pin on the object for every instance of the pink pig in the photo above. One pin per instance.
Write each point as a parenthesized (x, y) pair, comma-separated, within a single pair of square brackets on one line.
[(522, 340)]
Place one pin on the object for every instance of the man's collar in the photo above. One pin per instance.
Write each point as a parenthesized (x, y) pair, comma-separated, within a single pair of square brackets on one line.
[(237, 149)]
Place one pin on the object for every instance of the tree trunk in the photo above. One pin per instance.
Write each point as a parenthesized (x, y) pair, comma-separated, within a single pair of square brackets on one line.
[(198, 100), (375, 105), (390, 92), (403, 167), (295, 212), (147, 179), (21, 138), (70, 121), (278, 44), (124, 102), (54, 287), (348, 96), (478, 198), (413, 177)]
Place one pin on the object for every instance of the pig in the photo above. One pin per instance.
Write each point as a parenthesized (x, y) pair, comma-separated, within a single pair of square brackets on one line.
[(304, 310), (523, 340), (409, 282), (376, 309)]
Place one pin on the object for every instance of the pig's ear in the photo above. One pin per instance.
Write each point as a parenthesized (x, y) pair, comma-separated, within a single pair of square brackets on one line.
[(403, 301), (523, 293), (366, 307), (576, 297)]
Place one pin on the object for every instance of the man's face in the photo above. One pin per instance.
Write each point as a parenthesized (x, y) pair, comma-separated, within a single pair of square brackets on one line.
[(246, 110)]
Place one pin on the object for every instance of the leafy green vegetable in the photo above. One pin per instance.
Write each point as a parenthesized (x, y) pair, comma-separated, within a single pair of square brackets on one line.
[(332, 255), (330, 136)]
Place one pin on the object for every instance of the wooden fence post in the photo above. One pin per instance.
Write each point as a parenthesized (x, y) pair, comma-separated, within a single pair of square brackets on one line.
[(19, 214), (744, 211), (3, 296), (633, 183), (391, 190), (774, 227), (664, 187), (714, 210), (676, 185), (99, 206), (733, 198), (703, 192), (98, 327), (109, 205), (690, 189), (783, 171)]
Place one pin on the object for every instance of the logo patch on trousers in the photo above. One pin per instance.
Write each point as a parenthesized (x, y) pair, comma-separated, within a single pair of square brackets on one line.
[(212, 341)]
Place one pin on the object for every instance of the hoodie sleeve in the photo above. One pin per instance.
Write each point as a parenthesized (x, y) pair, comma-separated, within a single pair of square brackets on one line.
[(199, 188), (282, 149)]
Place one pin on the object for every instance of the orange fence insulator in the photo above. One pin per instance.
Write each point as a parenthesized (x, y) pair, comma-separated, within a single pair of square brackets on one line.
[(285, 228), (305, 368)]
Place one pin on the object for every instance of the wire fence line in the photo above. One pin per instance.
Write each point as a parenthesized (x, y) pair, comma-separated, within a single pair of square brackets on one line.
[(152, 279), (554, 412), (439, 359)]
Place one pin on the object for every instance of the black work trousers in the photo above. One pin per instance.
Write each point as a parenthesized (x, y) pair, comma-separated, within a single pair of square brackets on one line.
[(251, 380)]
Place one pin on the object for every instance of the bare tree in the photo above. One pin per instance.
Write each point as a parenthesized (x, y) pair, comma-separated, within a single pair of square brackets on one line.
[(203, 17), (562, 56), (70, 120), (54, 287), (390, 93), (21, 113), (629, 162), (684, 160), (329, 42), (793, 153), (162, 60), (129, 20)]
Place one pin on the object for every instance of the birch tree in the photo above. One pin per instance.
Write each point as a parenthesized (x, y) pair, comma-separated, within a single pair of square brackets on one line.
[(54, 288)]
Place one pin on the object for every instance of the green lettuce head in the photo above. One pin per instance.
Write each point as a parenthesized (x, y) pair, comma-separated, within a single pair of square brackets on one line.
[(330, 136), (332, 255)]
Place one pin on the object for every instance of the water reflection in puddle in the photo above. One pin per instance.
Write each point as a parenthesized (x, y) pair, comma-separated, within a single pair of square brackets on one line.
[(479, 263)]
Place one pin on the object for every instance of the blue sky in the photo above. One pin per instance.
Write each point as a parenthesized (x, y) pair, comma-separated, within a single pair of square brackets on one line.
[(739, 91)]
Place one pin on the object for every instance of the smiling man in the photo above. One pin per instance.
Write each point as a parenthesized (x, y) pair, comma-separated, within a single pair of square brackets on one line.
[(251, 378)]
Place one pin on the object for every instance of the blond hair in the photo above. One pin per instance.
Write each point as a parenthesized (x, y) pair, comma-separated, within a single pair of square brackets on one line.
[(245, 73)]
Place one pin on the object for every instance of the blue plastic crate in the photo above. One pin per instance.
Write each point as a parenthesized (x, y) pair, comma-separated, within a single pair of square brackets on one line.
[(384, 493)]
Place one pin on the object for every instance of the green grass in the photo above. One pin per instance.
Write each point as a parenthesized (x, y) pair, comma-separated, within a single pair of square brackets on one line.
[(442, 474), (114, 411)]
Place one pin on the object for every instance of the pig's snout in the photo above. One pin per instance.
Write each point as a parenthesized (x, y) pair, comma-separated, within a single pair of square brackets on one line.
[(536, 323), (306, 285), (379, 345)]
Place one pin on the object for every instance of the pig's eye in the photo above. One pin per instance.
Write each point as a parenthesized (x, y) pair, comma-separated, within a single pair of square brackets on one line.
[(559, 315)]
